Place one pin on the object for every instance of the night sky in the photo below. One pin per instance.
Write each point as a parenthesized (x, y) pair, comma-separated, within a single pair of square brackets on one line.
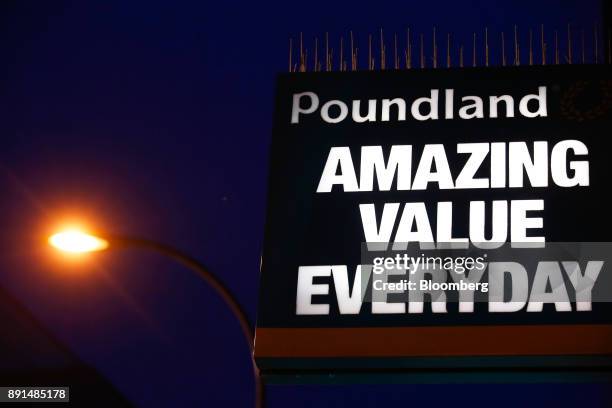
[(154, 119)]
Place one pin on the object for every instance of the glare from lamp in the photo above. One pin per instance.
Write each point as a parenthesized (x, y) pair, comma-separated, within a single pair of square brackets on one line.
[(76, 241)]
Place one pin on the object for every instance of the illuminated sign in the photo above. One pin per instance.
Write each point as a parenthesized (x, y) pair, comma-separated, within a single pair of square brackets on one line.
[(437, 214)]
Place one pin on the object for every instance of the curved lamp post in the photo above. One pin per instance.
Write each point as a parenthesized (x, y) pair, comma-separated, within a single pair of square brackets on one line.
[(75, 241)]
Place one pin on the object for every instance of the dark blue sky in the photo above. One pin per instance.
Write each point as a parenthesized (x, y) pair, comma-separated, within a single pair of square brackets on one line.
[(154, 119)]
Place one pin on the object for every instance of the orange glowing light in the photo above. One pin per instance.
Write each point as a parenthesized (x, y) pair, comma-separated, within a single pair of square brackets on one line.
[(76, 241)]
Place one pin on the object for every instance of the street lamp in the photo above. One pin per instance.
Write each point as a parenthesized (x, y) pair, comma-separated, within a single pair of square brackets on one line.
[(76, 241)]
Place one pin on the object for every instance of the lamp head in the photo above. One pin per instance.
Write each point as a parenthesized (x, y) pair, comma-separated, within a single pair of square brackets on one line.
[(76, 241)]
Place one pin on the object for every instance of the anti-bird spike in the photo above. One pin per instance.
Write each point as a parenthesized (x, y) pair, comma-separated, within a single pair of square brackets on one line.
[(341, 54), (517, 50), (474, 50), (435, 49), (542, 44), (316, 55), (382, 51), (395, 58), (448, 55), (327, 64), (290, 52), (353, 67), (530, 47), (302, 62), (408, 50), (422, 54), (556, 48), (486, 46), (370, 58), (314, 61), (596, 45), (503, 44), (569, 45), (582, 46)]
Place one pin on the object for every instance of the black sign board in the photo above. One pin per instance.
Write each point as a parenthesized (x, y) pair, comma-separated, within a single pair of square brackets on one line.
[(509, 167)]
